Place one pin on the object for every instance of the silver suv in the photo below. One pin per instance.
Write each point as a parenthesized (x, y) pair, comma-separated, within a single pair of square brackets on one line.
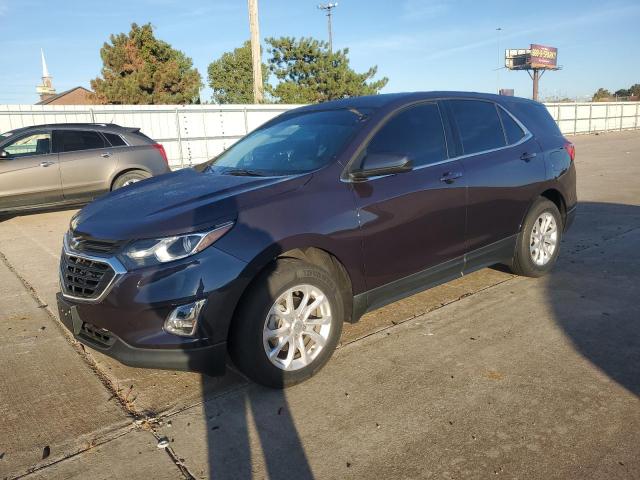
[(64, 164)]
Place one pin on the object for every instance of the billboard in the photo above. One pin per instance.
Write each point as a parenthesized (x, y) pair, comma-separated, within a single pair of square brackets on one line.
[(516, 58), (538, 57), (543, 57)]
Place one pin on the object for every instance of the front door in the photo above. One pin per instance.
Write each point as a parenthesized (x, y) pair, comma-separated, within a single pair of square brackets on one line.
[(29, 173), (412, 221)]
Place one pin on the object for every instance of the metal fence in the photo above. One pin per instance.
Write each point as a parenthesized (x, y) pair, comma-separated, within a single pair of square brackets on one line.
[(194, 133), (190, 133), (590, 117)]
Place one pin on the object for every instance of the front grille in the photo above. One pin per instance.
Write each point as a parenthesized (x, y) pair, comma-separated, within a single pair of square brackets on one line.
[(84, 278), (80, 243), (97, 335)]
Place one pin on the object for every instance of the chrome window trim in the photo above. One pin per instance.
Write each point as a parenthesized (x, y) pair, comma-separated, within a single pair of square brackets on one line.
[(114, 263), (527, 136)]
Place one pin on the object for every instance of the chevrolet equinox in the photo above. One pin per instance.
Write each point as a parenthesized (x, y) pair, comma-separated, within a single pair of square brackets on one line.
[(322, 214)]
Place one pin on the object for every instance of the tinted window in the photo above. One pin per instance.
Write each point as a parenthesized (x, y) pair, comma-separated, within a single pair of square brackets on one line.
[(511, 128), (536, 117), (295, 143), (36, 144), (416, 133), (74, 140), (478, 124), (114, 140)]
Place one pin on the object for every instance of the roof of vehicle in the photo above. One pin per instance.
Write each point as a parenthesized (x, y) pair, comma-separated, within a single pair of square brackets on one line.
[(396, 99), (76, 126)]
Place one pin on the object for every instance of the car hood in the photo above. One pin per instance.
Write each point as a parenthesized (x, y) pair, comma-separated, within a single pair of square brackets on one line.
[(175, 203)]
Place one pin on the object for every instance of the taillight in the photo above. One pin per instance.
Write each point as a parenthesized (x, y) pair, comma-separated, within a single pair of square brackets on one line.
[(571, 150), (160, 149)]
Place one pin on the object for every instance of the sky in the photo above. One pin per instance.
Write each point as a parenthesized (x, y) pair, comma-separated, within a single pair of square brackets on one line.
[(417, 44)]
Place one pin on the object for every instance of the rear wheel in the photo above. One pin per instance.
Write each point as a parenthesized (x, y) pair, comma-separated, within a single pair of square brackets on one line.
[(129, 178), (288, 324), (539, 241)]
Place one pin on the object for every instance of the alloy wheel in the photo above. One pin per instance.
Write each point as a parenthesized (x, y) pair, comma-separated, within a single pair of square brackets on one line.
[(297, 327), (544, 239)]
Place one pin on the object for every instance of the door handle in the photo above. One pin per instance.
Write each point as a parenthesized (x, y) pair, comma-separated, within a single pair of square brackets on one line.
[(46, 164), (527, 156), (106, 155), (450, 177)]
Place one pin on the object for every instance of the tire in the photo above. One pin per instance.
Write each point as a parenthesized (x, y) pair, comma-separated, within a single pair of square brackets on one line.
[(128, 178), (528, 260), (255, 318)]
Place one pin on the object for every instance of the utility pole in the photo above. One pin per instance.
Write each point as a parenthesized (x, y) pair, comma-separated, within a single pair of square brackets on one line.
[(499, 30), (258, 94), (328, 7)]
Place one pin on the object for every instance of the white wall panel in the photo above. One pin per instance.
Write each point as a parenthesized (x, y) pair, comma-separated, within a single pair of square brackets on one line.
[(194, 133)]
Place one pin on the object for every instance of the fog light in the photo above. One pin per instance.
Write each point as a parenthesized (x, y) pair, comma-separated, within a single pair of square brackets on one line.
[(183, 320)]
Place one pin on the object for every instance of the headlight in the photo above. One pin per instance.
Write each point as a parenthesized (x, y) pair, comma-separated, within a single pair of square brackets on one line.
[(143, 253)]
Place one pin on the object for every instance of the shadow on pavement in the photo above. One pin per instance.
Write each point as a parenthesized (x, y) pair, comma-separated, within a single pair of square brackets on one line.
[(595, 294), (257, 427)]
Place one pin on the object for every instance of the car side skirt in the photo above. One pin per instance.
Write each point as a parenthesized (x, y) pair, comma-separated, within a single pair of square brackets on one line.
[(501, 251)]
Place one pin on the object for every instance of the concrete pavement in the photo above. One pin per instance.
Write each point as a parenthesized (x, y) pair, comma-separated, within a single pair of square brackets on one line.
[(488, 375)]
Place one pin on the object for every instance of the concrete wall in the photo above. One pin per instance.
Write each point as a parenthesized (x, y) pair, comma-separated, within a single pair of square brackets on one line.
[(194, 133)]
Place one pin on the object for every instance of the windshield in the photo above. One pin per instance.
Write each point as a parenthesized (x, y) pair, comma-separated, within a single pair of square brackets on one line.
[(297, 144)]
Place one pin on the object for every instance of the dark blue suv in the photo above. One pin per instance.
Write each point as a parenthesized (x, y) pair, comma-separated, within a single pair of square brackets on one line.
[(320, 215)]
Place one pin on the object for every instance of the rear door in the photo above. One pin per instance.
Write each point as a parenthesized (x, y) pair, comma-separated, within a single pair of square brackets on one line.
[(29, 174), (415, 220), (87, 163), (502, 168)]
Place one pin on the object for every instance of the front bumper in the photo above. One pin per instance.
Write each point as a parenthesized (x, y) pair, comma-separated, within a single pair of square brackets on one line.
[(127, 323), (208, 359)]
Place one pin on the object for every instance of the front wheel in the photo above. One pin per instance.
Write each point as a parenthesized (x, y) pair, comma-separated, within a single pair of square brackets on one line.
[(288, 324), (538, 243)]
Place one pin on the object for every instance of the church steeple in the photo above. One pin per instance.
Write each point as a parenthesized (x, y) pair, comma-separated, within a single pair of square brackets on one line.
[(45, 89)]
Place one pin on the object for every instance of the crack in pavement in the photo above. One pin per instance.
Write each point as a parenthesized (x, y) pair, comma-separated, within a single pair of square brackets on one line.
[(77, 346), (117, 434), (148, 420), (114, 390)]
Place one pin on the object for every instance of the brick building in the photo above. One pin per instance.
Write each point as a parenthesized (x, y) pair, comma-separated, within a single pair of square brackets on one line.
[(73, 96)]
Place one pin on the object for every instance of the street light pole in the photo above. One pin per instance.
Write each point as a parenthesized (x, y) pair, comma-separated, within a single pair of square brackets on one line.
[(328, 7), (256, 59)]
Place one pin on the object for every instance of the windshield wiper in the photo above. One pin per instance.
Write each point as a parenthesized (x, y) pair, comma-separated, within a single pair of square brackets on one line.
[(243, 172)]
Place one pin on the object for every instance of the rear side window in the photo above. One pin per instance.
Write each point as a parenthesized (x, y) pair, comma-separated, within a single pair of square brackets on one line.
[(75, 140), (535, 117), (511, 129), (478, 124), (114, 140), (416, 132)]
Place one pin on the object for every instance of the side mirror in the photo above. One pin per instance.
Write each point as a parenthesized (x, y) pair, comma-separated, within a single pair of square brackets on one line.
[(3, 154), (382, 164)]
